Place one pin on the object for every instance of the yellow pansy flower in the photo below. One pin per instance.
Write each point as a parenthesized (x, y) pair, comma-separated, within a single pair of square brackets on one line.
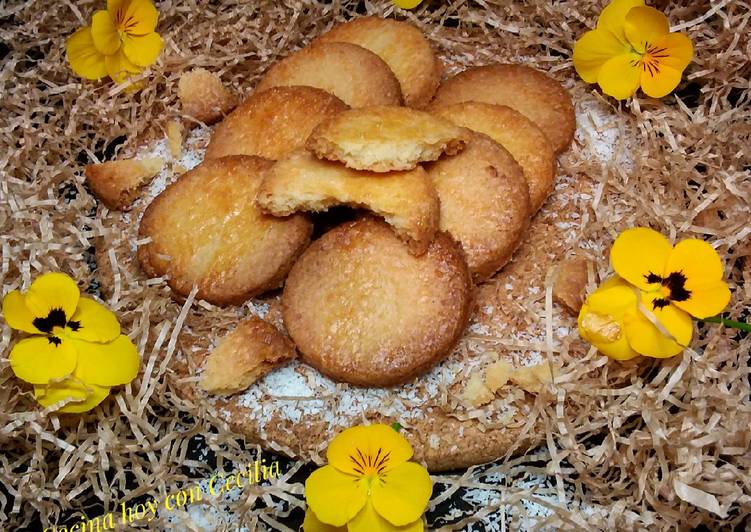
[(632, 47), (369, 484), (612, 320), (688, 276), (76, 349), (120, 42), (407, 4)]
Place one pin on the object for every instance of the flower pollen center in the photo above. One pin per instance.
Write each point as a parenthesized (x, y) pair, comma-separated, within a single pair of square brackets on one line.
[(55, 318), (673, 288), (370, 466), (651, 58)]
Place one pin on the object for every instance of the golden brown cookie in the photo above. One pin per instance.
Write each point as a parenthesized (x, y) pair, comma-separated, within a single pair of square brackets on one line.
[(206, 230), (515, 132), (406, 200), (116, 183), (362, 309), (204, 97), (404, 49), (484, 203), (273, 122), (247, 353), (355, 75), (385, 138), (534, 94)]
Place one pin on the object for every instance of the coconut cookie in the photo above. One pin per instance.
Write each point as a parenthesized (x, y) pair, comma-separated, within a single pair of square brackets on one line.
[(362, 309), (383, 139), (272, 123), (484, 203), (244, 355), (534, 94), (515, 132), (205, 230), (355, 75), (404, 49), (406, 200)]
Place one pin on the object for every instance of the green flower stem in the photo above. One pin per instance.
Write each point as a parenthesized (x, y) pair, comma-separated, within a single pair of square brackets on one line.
[(729, 323)]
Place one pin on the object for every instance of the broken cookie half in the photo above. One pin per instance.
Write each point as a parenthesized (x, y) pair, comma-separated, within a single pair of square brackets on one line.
[(253, 349), (406, 200)]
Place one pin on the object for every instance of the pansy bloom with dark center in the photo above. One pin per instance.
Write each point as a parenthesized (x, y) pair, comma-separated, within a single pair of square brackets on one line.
[(368, 484), (646, 308), (632, 47), (76, 351)]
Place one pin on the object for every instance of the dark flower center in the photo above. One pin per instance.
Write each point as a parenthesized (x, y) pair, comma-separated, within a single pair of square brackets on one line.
[(675, 282), (54, 340), (55, 318)]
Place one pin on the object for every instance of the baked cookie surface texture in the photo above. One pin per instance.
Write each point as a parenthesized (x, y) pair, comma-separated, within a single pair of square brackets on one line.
[(484, 203), (534, 94), (355, 75), (382, 139), (406, 200), (402, 46), (362, 309), (205, 230), (273, 122), (516, 133)]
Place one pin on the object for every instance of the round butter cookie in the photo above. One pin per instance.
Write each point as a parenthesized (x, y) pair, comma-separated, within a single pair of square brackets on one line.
[(484, 203), (272, 123), (363, 310), (534, 94), (402, 46), (385, 138), (205, 230), (355, 75), (515, 132)]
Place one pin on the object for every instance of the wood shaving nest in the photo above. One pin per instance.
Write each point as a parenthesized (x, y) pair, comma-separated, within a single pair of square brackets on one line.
[(646, 444)]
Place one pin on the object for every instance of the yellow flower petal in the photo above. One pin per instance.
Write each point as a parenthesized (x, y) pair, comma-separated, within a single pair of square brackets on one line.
[(313, 524), (104, 33), (93, 322), (40, 359), (87, 395), (677, 49), (659, 83), (619, 77), (354, 445), (637, 252), (402, 494), (644, 25), (84, 58), (645, 338), (119, 67), (368, 520), (407, 4), (335, 497), (17, 315), (52, 291), (593, 50), (136, 17), (110, 364), (143, 50), (613, 17), (601, 318), (702, 268)]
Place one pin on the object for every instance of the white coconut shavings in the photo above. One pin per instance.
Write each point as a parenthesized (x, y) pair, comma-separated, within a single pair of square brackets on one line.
[(598, 131)]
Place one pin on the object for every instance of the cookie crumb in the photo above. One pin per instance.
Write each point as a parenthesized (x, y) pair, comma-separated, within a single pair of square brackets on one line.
[(476, 393), (244, 355), (570, 284), (116, 183), (497, 374), (204, 96), (175, 132), (532, 378)]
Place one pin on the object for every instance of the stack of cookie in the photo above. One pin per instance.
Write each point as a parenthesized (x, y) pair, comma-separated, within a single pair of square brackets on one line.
[(445, 178)]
